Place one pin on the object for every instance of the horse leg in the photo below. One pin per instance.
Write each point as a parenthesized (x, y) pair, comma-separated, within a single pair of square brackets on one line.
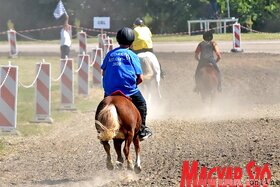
[(149, 91), (128, 141), (158, 89), (137, 166), (118, 146), (109, 163)]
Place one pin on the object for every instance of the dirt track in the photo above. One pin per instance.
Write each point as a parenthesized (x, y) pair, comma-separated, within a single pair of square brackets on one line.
[(243, 125)]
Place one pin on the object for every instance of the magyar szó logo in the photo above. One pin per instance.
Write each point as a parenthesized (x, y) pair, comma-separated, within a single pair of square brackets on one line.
[(252, 175)]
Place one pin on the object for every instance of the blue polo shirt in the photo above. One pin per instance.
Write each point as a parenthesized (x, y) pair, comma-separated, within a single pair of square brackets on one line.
[(121, 67)]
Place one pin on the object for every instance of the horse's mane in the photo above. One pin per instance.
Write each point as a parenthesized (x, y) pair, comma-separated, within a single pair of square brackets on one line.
[(108, 121)]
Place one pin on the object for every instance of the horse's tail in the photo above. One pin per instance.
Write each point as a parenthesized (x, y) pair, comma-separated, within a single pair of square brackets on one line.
[(107, 123)]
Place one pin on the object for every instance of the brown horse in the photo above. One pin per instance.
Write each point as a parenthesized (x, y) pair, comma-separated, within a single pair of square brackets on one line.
[(119, 120), (207, 82)]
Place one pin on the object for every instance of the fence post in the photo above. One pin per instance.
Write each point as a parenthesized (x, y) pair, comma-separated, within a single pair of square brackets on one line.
[(67, 85), (83, 75), (108, 45), (236, 31), (8, 98), (97, 66), (43, 94), (82, 42), (12, 38), (101, 38)]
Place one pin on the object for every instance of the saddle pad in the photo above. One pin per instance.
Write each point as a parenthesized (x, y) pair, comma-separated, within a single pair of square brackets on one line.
[(120, 93)]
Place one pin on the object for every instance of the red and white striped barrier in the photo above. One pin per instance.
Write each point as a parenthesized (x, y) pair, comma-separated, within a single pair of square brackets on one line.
[(98, 58), (236, 31), (43, 94), (67, 84), (101, 38), (12, 38), (108, 45), (8, 97), (83, 75), (82, 36)]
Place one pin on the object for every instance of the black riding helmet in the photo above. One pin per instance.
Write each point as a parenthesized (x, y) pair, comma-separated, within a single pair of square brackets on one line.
[(125, 36), (208, 35), (138, 22)]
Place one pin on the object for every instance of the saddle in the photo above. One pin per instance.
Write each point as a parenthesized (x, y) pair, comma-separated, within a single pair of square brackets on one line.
[(120, 93)]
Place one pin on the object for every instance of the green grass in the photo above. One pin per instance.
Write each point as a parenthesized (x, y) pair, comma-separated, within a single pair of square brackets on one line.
[(26, 96)]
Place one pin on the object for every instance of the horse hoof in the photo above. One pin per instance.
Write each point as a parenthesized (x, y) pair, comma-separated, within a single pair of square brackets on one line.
[(119, 165), (137, 169), (130, 167), (110, 166)]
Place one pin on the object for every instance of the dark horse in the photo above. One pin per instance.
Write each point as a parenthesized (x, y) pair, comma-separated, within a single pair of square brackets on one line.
[(207, 82), (119, 120)]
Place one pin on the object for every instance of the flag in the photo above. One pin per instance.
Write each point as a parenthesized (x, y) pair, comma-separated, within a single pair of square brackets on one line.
[(59, 10)]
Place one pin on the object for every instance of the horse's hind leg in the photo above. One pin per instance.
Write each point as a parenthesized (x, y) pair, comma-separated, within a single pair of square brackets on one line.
[(118, 146), (109, 162), (128, 141), (158, 89), (137, 166)]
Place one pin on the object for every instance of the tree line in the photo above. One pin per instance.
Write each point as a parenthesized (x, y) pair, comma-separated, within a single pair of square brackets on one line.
[(168, 16)]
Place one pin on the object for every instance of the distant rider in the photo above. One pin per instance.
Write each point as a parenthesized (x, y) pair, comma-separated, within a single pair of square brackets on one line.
[(206, 50), (143, 39)]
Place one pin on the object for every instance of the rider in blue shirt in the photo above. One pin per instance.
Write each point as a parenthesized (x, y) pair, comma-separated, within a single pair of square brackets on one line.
[(122, 72)]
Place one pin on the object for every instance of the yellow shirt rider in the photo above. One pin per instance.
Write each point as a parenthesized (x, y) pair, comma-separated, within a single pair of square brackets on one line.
[(143, 37), (143, 40)]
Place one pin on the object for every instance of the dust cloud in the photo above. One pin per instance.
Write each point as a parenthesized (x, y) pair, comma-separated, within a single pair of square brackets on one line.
[(249, 90), (104, 177)]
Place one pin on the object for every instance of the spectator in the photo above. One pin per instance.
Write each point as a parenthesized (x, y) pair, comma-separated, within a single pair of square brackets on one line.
[(65, 39)]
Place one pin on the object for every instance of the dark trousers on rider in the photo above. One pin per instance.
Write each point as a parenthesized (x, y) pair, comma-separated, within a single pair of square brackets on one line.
[(162, 73), (140, 103), (213, 62)]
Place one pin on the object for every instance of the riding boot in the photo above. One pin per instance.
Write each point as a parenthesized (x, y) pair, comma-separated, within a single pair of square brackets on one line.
[(144, 132)]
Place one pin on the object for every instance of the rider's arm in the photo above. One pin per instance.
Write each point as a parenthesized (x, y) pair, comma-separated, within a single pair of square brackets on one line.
[(217, 51), (197, 51), (139, 79)]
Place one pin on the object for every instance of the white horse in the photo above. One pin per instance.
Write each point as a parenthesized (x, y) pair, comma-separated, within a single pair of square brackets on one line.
[(151, 72)]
